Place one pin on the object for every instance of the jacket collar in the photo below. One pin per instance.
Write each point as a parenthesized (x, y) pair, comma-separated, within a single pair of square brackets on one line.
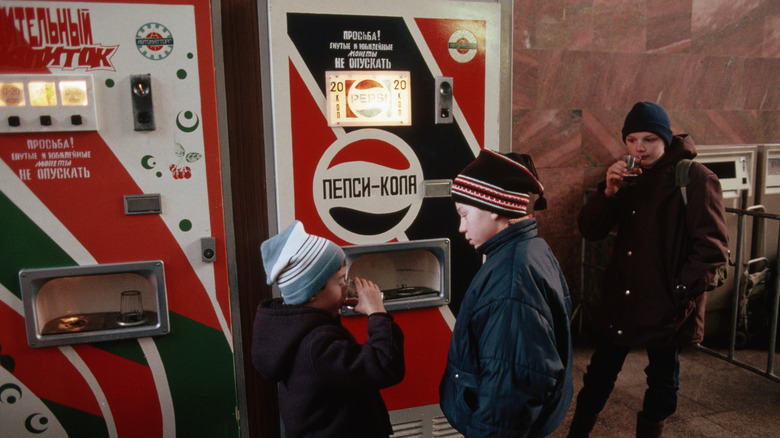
[(522, 230)]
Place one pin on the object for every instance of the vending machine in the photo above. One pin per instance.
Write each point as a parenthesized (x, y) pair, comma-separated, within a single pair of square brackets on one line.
[(114, 299), (374, 109)]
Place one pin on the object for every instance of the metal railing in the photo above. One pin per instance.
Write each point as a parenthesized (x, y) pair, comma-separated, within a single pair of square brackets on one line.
[(758, 213)]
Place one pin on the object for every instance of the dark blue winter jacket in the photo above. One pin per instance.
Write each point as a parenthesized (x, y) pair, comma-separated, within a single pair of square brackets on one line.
[(509, 367)]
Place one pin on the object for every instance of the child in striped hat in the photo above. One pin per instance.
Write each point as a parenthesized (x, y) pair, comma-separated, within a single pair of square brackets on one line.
[(328, 383), (509, 365)]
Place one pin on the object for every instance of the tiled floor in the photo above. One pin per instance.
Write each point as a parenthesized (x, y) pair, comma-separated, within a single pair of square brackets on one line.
[(717, 398)]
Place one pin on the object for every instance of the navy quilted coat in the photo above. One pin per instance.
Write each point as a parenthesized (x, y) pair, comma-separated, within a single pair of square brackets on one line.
[(508, 371)]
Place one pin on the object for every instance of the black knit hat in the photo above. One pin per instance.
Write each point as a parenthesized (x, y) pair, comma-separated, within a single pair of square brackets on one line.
[(500, 183), (648, 117)]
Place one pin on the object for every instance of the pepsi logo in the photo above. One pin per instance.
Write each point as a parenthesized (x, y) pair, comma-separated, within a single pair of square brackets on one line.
[(367, 187), (368, 98)]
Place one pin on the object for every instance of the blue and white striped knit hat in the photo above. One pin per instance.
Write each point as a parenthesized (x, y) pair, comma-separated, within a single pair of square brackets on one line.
[(300, 263)]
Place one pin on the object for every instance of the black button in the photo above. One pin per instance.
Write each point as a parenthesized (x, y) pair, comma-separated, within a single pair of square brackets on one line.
[(75, 119), (14, 121), (46, 120)]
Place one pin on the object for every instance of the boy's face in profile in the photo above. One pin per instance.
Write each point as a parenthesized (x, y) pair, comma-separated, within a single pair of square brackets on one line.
[(332, 296), (477, 225)]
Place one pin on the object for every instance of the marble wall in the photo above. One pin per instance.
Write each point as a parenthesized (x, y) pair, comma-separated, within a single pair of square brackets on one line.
[(579, 66)]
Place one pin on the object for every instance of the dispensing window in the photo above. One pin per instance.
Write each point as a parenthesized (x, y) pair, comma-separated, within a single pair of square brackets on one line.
[(410, 274), (733, 169), (82, 304)]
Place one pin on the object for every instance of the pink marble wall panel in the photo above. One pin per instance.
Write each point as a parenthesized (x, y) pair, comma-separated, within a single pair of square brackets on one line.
[(525, 79), (772, 34), (563, 24), (577, 79), (558, 223), (560, 217), (617, 80), (729, 27), (668, 26), (619, 26), (523, 24), (762, 83), (601, 138), (770, 120), (727, 127), (551, 137), (706, 82)]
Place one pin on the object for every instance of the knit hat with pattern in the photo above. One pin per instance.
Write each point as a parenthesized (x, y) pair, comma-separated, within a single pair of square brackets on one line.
[(300, 263), (500, 183)]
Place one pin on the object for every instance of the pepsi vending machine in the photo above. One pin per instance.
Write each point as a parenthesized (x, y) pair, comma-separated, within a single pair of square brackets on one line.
[(375, 107), (114, 300)]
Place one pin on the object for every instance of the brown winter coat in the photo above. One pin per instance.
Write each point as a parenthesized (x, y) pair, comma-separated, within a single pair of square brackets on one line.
[(660, 244)]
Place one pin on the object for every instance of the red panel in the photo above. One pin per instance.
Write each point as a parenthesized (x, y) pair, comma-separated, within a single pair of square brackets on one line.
[(129, 390), (311, 137), (46, 372), (468, 77), (91, 208), (426, 343)]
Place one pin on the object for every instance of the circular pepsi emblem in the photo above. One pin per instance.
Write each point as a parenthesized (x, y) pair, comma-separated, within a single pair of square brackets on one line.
[(367, 187), (369, 98), (154, 41), (462, 45)]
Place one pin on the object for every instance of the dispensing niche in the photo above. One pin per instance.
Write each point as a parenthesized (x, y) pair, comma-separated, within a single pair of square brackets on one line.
[(82, 304), (411, 275)]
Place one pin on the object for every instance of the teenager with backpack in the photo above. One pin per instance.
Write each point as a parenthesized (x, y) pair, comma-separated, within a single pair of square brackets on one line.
[(668, 251)]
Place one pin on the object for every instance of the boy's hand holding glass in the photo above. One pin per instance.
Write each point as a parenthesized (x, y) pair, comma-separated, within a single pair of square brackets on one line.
[(364, 296)]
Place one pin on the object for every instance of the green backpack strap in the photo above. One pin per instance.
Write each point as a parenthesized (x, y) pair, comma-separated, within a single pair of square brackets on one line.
[(682, 177)]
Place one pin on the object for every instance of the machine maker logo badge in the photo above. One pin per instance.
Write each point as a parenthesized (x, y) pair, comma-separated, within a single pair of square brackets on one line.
[(367, 187), (462, 45), (154, 41)]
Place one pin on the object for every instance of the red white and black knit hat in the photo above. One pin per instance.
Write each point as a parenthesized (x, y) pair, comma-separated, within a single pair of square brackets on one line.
[(500, 183)]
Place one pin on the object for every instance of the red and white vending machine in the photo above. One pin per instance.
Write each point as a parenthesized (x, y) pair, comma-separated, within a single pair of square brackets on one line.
[(114, 299), (374, 108)]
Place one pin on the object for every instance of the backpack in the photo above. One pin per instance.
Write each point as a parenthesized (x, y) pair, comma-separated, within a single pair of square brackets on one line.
[(682, 178)]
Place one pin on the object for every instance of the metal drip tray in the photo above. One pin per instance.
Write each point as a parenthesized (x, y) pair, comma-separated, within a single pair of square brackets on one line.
[(94, 321), (408, 292)]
